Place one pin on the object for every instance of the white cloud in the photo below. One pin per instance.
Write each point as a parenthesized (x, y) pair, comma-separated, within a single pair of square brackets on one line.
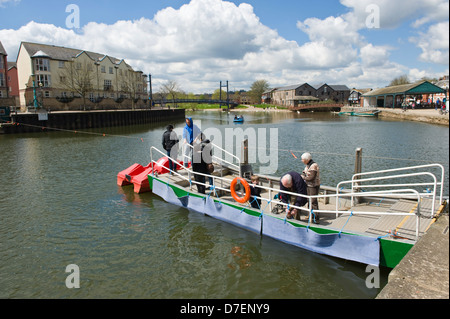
[(206, 41), (374, 56), (394, 13), (434, 43), (4, 2)]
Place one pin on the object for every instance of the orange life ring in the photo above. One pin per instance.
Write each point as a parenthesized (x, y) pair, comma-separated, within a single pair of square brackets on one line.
[(244, 199)]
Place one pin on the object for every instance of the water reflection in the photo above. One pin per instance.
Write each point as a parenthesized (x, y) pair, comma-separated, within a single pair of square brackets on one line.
[(60, 205)]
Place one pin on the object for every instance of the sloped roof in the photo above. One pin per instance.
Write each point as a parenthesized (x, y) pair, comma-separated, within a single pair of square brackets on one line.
[(336, 87), (2, 49), (339, 87), (290, 87), (421, 87), (362, 91), (62, 53), (12, 65), (442, 84)]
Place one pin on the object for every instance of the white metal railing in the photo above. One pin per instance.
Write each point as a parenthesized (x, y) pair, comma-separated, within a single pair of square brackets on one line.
[(441, 183), (186, 157), (190, 170), (356, 182), (402, 193), (353, 182)]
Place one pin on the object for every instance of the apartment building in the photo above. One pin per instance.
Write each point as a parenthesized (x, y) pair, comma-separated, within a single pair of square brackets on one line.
[(3, 72), (60, 78)]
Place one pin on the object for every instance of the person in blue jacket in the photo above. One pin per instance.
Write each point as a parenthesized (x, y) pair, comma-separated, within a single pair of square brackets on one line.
[(190, 134)]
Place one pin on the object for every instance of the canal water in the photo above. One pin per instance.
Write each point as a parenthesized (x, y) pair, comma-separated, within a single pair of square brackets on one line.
[(60, 205)]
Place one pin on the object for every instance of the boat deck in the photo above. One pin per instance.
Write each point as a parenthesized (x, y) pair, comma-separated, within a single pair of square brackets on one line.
[(364, 224)]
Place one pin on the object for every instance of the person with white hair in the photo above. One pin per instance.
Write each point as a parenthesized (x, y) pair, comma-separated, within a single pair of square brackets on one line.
[(293, 182), (311, 175)]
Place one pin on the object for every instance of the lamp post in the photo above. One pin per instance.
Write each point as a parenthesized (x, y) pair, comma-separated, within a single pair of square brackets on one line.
[(41, 85), (35, 103), (150, 96)]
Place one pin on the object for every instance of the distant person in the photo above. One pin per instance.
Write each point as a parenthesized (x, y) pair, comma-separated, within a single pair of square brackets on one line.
[(293, 182), (190, 134), (170, 144), (255, 191), (311, 175)]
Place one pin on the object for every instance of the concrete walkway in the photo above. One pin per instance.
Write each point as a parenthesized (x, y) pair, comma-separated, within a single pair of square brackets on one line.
[(431, 116), (424, 272)]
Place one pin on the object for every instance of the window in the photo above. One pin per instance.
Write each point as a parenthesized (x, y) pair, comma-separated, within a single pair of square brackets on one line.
[(1, 93), (42, 65), (103, 69), (111, 70), (78, 66), (2, 64), (46, 94), (107, 85), (61, 64), (44, 79), (2, 80)]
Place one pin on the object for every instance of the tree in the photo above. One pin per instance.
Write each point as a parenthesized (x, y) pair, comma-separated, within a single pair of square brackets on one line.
[(257, 90), (219, 93), (403, 79), (78, 78), (172, 89), (130, 85)]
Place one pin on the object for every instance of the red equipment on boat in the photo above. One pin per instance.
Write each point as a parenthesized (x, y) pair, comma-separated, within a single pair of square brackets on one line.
[(138, 175)]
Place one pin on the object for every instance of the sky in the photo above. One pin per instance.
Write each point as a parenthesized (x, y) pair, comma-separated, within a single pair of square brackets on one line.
[(198, 43)]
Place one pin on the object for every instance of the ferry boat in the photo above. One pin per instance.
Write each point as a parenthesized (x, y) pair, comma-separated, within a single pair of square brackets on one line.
[(369, 219)]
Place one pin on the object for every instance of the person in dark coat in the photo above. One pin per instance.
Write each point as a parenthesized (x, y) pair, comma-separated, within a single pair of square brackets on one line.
[(293, 182), (201, 157), (255, 191), (170, 144)]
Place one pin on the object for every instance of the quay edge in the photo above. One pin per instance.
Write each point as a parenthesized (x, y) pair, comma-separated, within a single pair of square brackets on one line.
[(430, 116), (76, 120), (424, 272)]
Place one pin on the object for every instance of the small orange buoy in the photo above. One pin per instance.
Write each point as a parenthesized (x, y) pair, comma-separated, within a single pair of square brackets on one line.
[(246, 187)]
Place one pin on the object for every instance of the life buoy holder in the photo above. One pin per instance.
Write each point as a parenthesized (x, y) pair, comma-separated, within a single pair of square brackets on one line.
[(244, 183)]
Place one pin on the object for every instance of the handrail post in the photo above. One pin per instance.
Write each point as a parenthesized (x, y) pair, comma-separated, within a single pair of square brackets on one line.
[(358, 168), (244, 156), (418, 219)]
